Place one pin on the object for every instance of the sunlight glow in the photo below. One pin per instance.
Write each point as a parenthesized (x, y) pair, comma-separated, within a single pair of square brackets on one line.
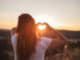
[(42, 27), (52, 21), (41, 18)]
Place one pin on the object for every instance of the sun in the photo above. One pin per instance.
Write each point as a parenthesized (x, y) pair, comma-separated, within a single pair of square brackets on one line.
[(41, 27)]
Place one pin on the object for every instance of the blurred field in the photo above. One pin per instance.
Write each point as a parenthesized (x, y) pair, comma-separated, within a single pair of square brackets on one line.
[(6, 51), (72, 52)]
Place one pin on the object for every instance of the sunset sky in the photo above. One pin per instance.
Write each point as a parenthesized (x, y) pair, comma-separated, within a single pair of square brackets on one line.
[(60, 14)]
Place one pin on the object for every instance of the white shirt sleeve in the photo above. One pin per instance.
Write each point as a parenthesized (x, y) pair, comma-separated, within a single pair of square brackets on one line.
[(13, 40), (14, 43)]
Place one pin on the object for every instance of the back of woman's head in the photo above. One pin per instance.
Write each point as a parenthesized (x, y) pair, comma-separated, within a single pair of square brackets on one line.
[(23, 21), (26, 39)]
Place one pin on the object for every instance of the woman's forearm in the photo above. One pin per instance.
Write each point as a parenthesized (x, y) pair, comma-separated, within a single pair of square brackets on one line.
[(60, 35)]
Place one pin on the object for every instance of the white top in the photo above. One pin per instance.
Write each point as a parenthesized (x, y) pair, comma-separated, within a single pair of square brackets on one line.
[(41, 47), (14, 42)]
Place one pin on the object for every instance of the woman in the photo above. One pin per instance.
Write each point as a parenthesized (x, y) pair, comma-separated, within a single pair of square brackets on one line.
[(29, 47), (26, 39)]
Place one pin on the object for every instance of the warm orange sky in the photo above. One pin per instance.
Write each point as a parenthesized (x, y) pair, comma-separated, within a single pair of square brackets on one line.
[(60, 14), (55, 24)]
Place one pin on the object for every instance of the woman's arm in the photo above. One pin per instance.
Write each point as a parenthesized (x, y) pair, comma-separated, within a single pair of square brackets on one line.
[(58, 38), (54, 34), (60, 35)]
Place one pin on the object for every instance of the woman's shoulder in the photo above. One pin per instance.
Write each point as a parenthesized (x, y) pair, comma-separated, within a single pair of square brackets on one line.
[(13, 37)]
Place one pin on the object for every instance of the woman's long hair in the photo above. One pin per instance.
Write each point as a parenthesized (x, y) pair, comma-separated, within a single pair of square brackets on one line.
[(26, 39)]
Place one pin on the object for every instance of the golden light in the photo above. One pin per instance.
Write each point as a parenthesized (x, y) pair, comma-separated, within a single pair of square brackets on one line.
[(52, 21), (41, 27)]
